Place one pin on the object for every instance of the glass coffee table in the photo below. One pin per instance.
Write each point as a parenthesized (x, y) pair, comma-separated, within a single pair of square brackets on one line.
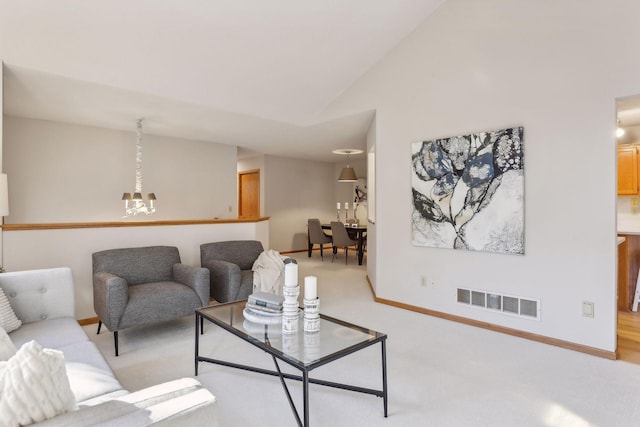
[(302, 350)]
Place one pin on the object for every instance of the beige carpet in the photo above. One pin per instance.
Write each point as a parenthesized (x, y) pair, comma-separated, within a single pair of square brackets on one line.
[(440, 373)]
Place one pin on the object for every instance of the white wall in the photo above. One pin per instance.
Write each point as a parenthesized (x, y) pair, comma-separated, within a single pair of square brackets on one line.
[(554, 67), (296, 190), (293, 190), (70, 173), (34, 249), (372, 252)]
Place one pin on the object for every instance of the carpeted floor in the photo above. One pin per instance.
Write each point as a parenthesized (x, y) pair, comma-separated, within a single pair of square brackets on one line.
[(440, 373)]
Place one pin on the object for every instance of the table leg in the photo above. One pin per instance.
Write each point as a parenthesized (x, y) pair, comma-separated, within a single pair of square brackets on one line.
[(384, 376), (197, 342), (305, 396), (360, 247), (310, 245)]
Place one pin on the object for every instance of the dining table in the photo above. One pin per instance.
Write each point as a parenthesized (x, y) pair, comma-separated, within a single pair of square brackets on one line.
[(357, 231)]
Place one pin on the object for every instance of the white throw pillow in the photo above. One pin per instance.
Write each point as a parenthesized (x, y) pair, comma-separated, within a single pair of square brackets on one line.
[(8, 320), (7, 348), (34, 386)]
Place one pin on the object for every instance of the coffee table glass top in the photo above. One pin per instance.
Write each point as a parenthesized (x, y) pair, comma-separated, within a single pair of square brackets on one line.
[(335, 338)]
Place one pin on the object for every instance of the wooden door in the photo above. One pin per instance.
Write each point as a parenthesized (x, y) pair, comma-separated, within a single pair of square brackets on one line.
[(249, 194), (627, 169)]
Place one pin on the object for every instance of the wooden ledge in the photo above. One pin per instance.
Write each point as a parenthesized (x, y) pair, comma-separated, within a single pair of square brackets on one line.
[(111, 224)]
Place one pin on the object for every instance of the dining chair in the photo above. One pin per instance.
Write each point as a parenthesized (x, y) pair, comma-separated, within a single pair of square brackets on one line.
[(341, 239), (317, 236)]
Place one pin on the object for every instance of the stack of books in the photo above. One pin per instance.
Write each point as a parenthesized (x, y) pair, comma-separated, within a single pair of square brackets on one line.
[(263, 307)]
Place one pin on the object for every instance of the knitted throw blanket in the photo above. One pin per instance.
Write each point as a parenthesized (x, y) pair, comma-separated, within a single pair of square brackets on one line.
[(268, 272), (34, 386)]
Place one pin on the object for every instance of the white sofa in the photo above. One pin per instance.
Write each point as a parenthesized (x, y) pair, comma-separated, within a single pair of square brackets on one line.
[(44, 301)]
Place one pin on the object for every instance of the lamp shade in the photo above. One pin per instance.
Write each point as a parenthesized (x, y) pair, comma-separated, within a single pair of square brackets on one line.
[(348, 174), (4, 195)]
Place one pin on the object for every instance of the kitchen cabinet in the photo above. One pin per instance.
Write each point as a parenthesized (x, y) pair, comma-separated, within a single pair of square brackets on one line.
[(628, 169), (623, 273), (628, 268)]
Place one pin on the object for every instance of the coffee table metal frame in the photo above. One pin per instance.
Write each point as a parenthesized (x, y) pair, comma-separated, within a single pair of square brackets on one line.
[(304, 368)]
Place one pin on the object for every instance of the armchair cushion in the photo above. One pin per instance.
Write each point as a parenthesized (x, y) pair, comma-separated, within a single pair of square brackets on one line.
[(154, 302)]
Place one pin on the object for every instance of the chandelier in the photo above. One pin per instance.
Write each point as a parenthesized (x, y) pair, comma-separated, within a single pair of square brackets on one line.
[(134, 205)]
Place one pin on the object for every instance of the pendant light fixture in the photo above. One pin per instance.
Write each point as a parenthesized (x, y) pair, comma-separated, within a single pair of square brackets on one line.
[(348, 174), (619, 130), (134, 205)]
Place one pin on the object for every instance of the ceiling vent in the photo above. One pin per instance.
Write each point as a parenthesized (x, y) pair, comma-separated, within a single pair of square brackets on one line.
[(507, 304)]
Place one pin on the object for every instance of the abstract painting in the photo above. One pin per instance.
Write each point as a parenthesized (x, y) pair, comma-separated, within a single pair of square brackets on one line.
[(468, 192)]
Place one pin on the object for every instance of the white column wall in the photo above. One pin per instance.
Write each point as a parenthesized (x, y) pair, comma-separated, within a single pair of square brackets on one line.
[(555, 68)]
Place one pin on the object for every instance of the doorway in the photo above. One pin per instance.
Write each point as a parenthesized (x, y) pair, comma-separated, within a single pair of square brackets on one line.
[(628, 225), (249, 194)]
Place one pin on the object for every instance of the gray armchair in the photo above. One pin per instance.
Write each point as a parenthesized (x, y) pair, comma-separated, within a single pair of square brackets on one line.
[(136, 286), (230, 266)]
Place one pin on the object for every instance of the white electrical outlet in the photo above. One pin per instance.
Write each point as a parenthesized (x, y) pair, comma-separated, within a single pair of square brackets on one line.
[(432, 283), (587, 309)]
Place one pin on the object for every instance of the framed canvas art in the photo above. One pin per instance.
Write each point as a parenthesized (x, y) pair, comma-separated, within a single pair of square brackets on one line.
[(468, 192)]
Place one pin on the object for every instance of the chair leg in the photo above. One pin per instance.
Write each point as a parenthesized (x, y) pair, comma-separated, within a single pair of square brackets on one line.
[(99, 326), (115, 341), (321, 254), (335, 251), (346, 254), (201, 325)]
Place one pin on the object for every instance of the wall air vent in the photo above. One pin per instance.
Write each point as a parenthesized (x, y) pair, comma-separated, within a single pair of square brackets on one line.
[(528, 308), (507, 304), (510, 305), (464, 296), (478, 298)]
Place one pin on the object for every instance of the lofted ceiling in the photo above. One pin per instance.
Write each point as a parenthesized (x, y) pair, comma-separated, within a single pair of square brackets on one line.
[(252, 73)]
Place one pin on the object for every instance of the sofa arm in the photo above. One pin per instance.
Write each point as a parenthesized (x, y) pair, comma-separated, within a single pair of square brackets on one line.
[(225, 279), (179, 402), (195, 277), (110, 296), (38, 294)]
